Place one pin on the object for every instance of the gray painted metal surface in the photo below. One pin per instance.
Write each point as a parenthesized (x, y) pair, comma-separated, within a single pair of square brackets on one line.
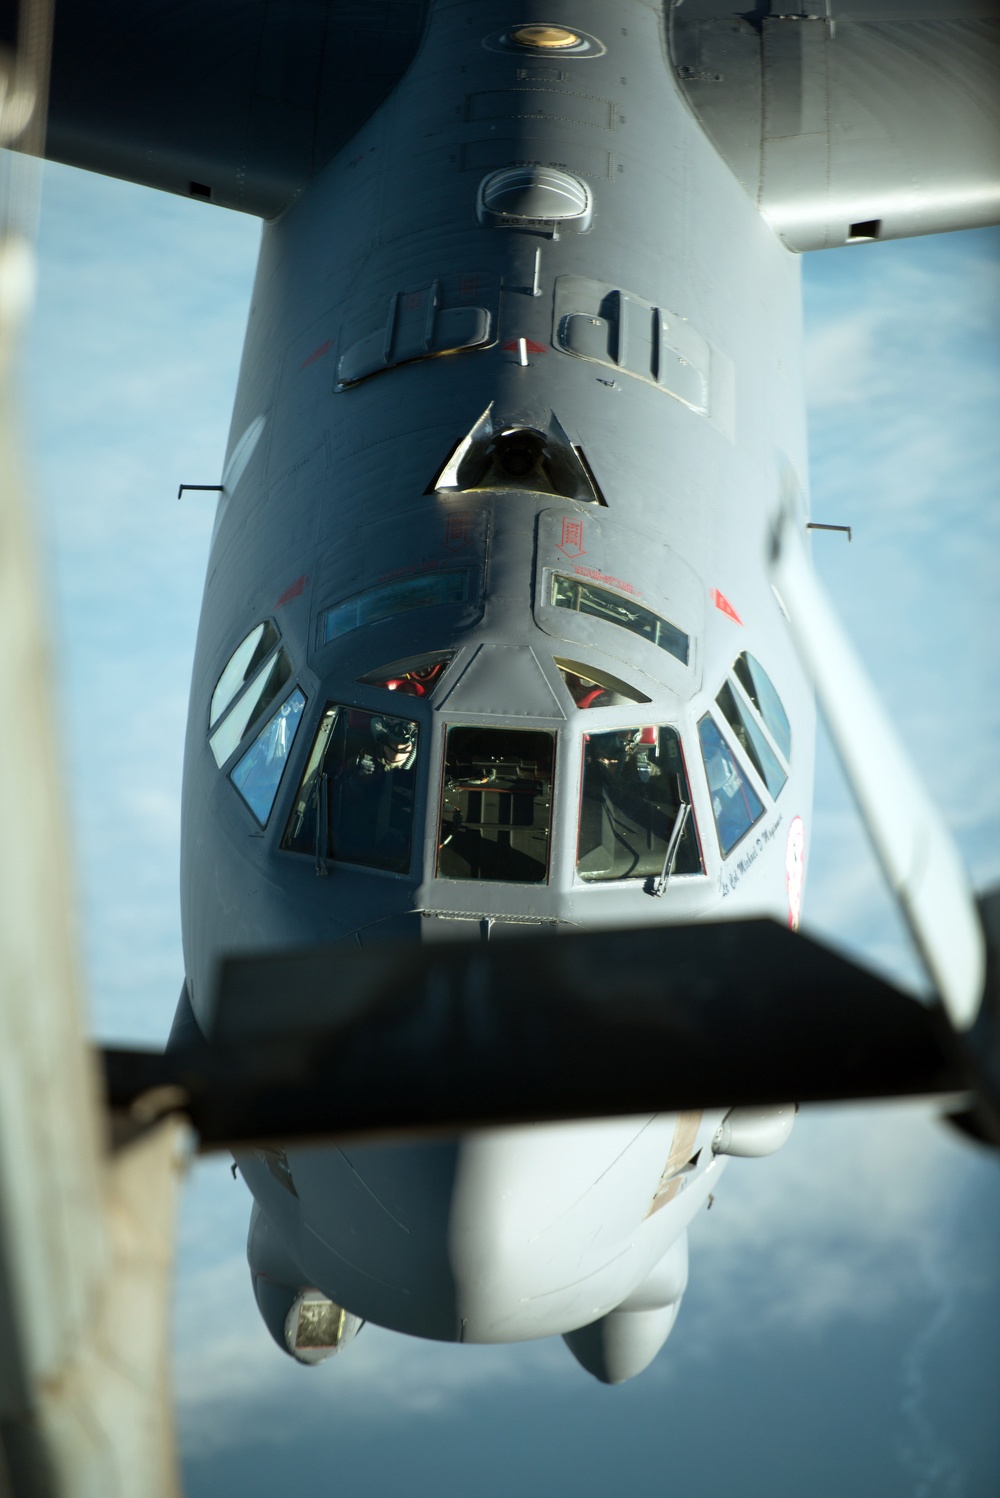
[(333, 500), (850, 119), (412, 307), (656, 347), (238, 103), (521, 394)]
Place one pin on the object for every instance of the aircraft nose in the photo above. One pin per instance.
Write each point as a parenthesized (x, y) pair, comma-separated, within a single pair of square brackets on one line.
[(542, 1223), (500, 1236), (372, 1232)]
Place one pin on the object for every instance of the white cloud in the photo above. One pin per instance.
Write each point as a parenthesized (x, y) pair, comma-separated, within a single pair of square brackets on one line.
[(842, 363), (833, 1218), (852, 1219)]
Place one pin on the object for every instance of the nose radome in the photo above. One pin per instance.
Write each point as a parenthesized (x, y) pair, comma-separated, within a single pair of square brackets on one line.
[(502, 1236), (544, 1223)]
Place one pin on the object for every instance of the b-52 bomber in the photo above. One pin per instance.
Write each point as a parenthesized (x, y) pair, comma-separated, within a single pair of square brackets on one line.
[(508, 632)]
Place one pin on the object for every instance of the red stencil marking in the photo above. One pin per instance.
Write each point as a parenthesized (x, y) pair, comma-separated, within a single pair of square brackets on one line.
[(511, 346), (724, 606), (294, 590), (457, 532), (571, 542), (598, 576), (317, 353)]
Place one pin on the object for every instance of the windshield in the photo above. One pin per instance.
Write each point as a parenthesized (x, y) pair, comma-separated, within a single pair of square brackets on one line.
[(634, 784), (496, 807), (430, 591), (590, 687), (415, 677), (265, 687), (244, 661), (760, 689), (258, 774), (751, 740), (355, 802), (602, 603), (735, 803)]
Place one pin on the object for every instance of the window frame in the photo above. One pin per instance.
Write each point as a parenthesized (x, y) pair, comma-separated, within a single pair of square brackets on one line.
[(294, 687), (784, 759), (551, 576), (637, 880), (723, 729), (435, 840), (423, 732), (474, 598)]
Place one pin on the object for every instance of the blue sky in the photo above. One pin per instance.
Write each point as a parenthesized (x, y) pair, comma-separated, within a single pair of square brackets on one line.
[(842, 1329)]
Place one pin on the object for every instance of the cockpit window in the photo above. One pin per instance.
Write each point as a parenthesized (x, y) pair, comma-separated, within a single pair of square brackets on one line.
[(415, 677), (258, 774), (634, 784), (602, 603), (735, 803), (496, 806), (355, 802), (244, 661), (264, 688), (751, 739), (426, 591), (590, 687), (759, 688)]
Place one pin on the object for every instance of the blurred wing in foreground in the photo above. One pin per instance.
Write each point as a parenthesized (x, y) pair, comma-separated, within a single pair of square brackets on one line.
[(85, 1236), (583, 1025)]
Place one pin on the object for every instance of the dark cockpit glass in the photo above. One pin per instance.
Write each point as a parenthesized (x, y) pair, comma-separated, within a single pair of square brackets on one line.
[(416, 676), (735, 803), (634, 784), (615, 608), (244, 661), (751, 739), (355, 802), (496, 805), (760, 689), (264, 689), (430, 590), (590, 687), (257, 774)]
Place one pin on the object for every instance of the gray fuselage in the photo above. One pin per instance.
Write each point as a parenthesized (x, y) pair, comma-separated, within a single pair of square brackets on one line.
[(649, 342)]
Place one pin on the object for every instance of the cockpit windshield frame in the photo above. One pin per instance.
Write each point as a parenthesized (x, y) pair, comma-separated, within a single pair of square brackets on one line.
[(580, 595), (497, 804), (634, 785), (356, 799)]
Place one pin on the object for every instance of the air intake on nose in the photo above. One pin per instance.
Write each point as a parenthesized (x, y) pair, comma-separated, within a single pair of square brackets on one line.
[(497, 456)]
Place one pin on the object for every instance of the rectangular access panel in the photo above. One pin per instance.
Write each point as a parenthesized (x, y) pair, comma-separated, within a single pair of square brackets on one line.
[(444, 317)]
